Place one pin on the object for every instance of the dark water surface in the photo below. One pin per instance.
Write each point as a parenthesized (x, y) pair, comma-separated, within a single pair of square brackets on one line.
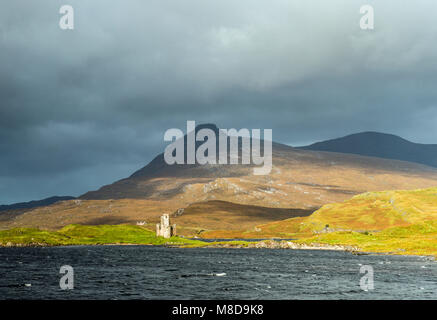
[(143, 272)]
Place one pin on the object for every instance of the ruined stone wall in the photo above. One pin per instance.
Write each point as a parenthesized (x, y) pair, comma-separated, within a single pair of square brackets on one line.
[(164, 229)]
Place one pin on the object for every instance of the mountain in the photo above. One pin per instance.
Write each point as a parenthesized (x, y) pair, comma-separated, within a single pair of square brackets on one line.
[(201, 198), (34, 204), (299, 179), (381, 145)]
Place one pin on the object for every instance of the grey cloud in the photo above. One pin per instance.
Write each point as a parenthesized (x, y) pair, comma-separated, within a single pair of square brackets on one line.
[(82, 108)]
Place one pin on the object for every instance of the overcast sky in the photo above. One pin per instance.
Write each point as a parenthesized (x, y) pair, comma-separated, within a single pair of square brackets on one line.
[(85, 107)]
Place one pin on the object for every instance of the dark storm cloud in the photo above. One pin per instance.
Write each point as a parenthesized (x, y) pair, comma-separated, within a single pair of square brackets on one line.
[(82, 108)]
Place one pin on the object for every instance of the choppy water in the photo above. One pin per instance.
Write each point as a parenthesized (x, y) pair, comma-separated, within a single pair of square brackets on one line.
[(142, 272)]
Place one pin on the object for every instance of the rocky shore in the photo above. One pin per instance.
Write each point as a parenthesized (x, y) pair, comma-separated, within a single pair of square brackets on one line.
[(270, 244), (265, 244)]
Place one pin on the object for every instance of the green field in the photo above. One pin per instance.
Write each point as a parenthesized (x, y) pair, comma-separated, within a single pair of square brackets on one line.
[(100, 235), (89, 235)]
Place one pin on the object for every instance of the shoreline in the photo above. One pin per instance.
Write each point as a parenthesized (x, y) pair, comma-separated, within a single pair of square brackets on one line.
[(265, 244), (129, 235), (269, 244)]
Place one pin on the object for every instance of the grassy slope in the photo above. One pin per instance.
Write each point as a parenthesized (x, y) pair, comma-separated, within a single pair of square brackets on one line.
[(371, 211), (377, 211), (389, 221)]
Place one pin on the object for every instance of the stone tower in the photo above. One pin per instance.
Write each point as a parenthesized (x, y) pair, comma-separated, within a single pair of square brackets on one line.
[(164, 229)]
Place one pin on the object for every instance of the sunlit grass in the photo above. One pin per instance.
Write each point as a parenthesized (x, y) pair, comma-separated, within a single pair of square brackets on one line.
[(403, 222), (90, 235)]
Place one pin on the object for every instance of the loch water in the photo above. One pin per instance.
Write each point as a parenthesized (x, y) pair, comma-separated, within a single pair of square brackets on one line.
[(153, 272)]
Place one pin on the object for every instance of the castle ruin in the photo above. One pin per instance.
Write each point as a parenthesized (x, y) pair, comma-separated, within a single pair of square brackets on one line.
[(164, 229)]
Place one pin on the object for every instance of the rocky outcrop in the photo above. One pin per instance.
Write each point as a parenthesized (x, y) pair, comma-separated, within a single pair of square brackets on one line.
[(271, 244)]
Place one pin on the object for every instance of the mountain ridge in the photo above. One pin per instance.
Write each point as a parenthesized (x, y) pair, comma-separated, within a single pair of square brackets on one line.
[(380, 145), (34, 203)]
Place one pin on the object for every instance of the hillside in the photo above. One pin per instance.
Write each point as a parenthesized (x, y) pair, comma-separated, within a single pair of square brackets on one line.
[(381, 145), (368, 212), (210, 215), (398, 222), (374, 211)]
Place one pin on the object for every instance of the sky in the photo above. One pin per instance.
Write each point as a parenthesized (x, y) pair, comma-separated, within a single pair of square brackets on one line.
[(85, 107)]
